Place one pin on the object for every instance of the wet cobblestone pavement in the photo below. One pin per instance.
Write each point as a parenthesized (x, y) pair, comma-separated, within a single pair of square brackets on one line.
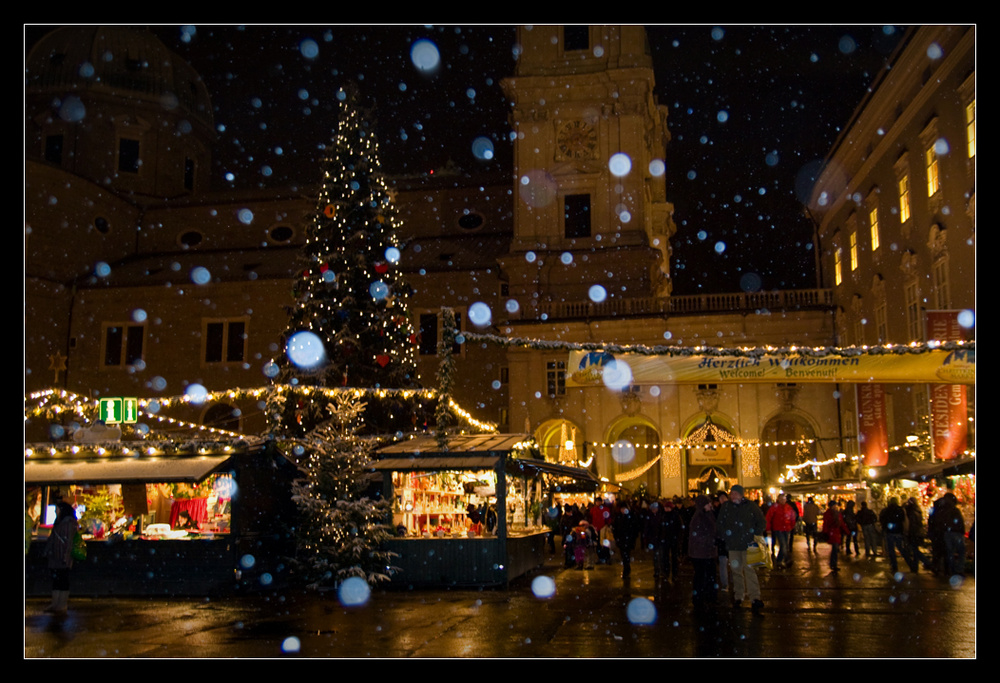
[(862, 611)]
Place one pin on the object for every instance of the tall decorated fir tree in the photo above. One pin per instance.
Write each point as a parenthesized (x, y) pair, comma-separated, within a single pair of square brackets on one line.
[(350, 326), (349, 329)]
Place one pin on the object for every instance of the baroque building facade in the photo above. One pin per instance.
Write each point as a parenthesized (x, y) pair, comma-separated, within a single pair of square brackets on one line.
[(141, 281), (895, 208)]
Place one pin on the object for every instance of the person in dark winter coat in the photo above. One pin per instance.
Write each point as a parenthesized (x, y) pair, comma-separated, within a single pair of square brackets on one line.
[(914, 535), (625, 528), (892, 518), (953, 526), (851, 520), (740, 520), (702, 551), (867, 519), (718, 501), (59, 549)]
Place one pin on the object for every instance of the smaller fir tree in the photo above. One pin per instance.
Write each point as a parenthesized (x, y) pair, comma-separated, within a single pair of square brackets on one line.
[(341, 531)]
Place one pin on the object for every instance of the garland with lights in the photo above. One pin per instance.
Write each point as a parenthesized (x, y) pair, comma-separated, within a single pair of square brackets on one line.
[(747, 352)]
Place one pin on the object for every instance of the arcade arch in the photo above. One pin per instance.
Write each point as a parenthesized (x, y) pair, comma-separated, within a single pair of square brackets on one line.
[(635, 453)]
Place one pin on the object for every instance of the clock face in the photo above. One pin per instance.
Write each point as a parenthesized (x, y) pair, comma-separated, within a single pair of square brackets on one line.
[(576, 140)]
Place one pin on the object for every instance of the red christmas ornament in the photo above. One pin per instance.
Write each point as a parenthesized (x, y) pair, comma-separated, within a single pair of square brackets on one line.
[(382, 360), (381, 268), (329, 210)]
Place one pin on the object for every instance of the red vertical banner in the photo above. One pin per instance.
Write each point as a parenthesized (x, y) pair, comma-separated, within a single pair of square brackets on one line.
[(873, 433), (948, 403)]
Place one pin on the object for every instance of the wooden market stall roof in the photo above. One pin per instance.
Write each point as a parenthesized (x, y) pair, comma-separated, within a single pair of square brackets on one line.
[(476, 451)]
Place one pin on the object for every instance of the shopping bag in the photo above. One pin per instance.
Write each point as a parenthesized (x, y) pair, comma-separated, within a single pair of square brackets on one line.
[(758, 553)]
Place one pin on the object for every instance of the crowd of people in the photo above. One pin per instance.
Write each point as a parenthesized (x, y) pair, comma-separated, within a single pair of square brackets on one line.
[(716, 534)]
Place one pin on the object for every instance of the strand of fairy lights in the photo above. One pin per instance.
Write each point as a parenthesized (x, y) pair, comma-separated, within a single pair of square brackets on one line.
[(747, 351)]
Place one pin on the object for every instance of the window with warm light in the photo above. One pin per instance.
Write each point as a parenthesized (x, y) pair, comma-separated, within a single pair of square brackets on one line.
[(873, 222), (838, 267), (904, 198), (854, 251), (970, 128), (933, 180)]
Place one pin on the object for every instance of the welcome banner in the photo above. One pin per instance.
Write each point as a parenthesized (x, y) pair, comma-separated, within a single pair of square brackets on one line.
[(591, 368)]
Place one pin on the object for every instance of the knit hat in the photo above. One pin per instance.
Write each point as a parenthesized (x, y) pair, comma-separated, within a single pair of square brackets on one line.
[(736, 489)]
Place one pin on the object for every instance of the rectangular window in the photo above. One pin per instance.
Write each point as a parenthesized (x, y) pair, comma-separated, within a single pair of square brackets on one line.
[(881, 322), (970, 128), (576, 215), (128, 155), (54, 149), (189, 174), (122, 345), (456, 348), (933, 181), (428, 334), (854, 251), (225, 341), (838, 266), (911, 294), (904, 198), (873, 221), (576, 38), (555, 375), (942, 296)]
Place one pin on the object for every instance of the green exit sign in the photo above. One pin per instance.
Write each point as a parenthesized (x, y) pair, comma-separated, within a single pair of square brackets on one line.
[(119, 410)]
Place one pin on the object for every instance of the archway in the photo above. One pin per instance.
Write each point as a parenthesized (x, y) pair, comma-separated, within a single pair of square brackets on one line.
[(787, 439), (710, 453), (635, 454), (561, 441)]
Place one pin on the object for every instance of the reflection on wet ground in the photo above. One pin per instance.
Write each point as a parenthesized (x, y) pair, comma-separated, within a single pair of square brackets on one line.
[(862, 611)]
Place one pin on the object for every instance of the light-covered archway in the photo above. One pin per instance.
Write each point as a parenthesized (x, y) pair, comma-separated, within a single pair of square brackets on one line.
[(711, 453), (562, 441)]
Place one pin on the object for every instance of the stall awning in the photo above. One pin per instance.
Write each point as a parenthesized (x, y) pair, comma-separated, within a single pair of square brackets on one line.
[(465, 445), (120, 470), (435, 463), (922, 471), (559, 470), (825, 486)]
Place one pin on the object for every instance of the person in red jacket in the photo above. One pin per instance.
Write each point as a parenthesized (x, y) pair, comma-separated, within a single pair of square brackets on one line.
[(835, 528), (780, 524)]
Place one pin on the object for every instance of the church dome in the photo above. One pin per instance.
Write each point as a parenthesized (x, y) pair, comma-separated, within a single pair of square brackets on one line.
[(123, 61)]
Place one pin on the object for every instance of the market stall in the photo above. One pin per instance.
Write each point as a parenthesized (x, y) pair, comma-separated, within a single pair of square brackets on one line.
[(469, 511), (158, 518)]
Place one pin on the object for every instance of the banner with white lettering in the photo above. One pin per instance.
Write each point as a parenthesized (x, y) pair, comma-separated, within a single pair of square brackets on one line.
[(873, 432), (936, 366), (948, 403)]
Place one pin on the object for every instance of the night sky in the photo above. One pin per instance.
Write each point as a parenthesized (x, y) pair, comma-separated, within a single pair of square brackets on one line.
[(752, 111)]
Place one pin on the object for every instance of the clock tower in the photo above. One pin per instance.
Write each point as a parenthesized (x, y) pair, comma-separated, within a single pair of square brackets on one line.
[(590, 206)]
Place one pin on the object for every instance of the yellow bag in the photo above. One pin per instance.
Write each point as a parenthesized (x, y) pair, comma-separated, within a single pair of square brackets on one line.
[(759, 553)]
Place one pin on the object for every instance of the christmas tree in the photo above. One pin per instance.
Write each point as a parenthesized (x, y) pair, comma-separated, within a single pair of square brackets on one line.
[(340, 531), (350, 326), (350, 329)]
